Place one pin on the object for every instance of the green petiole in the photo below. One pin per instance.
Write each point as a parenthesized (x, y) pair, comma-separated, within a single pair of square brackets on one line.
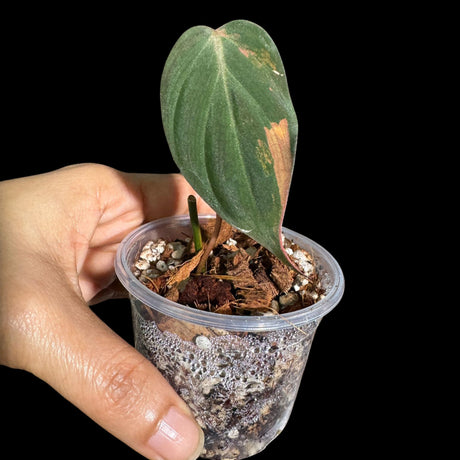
[(195, 223)]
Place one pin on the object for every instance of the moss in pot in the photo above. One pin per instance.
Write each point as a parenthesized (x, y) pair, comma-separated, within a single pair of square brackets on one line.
[(229, 324)]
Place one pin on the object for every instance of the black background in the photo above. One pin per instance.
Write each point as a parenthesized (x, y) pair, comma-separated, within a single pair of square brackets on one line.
[(83, 86)]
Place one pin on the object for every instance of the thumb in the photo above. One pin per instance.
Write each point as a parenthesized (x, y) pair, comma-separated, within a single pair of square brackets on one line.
[(115, 385)]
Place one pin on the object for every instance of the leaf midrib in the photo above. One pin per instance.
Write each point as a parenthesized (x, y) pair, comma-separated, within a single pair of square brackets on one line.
[(223, 70)]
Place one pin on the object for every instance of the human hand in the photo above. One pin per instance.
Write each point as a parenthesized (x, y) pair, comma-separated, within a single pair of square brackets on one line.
[(58, 236)]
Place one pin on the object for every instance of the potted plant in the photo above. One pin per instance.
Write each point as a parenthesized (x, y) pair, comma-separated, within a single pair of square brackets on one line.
[(232, 131)]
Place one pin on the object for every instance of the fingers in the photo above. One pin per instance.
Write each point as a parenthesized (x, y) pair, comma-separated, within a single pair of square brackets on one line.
[(112, 383), (58, 250), (114, 291), (166, 195)]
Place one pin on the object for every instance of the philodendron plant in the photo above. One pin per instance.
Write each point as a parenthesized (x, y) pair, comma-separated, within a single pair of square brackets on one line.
[(231, 126)]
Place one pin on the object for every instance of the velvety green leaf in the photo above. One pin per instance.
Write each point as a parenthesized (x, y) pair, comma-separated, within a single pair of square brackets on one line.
[(231, 126)]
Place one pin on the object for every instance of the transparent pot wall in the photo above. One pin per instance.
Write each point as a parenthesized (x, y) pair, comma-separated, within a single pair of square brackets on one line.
[(238, 374), (240, 385)]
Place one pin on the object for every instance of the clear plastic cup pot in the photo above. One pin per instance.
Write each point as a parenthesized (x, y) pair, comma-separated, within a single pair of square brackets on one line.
[(238, 374)]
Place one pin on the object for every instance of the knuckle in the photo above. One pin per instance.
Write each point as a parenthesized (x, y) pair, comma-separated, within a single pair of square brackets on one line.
[(121, 384)]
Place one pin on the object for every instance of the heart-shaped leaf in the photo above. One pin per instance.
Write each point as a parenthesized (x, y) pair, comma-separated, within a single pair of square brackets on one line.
[(231, 126)]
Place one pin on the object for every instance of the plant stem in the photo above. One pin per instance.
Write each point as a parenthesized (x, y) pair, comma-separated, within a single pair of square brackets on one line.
[(210, 245), (195, 223)]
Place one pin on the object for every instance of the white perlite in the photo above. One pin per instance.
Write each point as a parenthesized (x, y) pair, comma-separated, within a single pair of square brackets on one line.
[(301, 259), (151, 252)]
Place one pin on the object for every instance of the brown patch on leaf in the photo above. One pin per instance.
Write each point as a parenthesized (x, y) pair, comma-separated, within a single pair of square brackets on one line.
[(279, 145), (245, 51), (221, 32)]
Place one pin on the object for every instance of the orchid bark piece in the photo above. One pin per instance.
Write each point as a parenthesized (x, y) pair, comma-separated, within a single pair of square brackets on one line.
[(231, 126)]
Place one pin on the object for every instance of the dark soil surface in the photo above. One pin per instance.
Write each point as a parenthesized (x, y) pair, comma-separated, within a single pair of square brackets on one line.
[(241, 277)]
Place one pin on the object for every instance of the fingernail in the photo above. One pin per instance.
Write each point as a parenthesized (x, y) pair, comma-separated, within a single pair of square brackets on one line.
[(178, 437)]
